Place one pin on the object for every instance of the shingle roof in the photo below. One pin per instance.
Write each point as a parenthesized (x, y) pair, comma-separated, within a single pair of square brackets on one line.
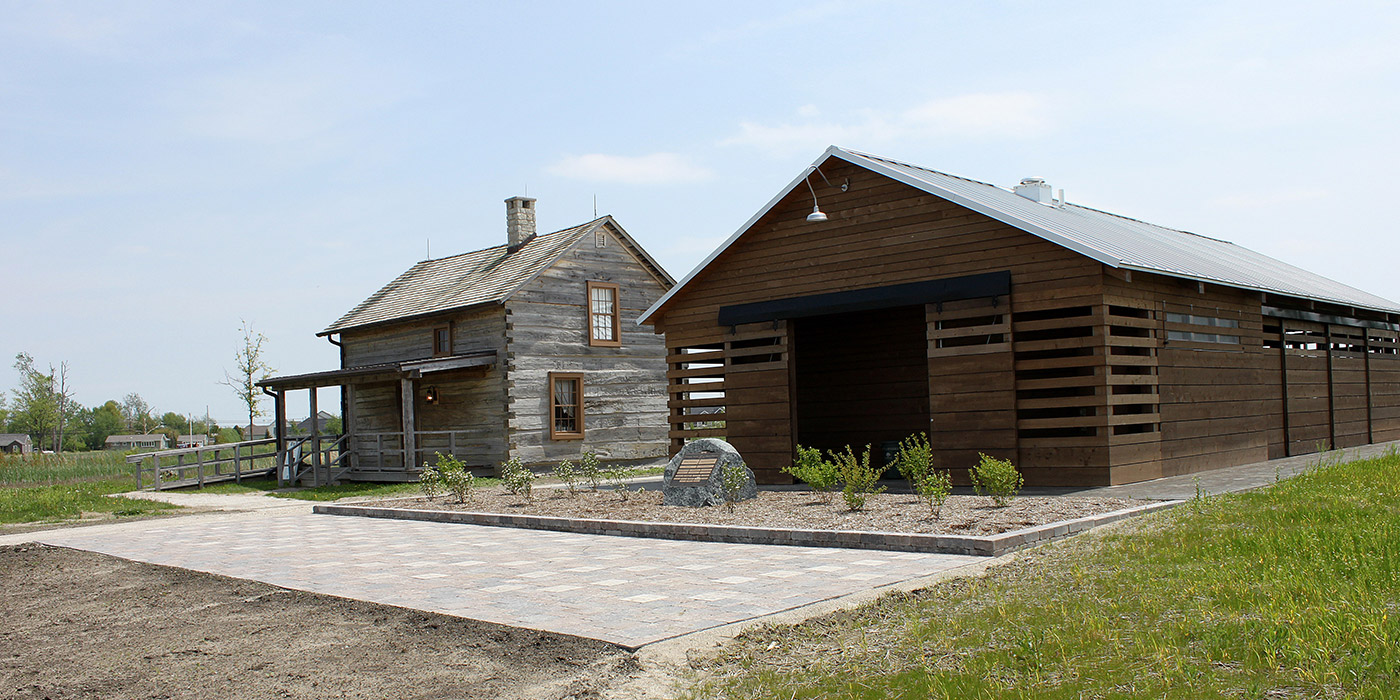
[(468, 279), (1116, 241), (9, 438)]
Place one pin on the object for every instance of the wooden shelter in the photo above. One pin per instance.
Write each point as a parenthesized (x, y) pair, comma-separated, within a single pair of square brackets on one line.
[(513, 351), (1088, 348)]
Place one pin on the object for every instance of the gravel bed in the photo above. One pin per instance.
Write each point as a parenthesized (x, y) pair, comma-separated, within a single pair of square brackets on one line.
[(961, 515)]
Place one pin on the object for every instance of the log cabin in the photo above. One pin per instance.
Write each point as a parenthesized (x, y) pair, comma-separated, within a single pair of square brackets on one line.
[(524, 350), (873, 299)]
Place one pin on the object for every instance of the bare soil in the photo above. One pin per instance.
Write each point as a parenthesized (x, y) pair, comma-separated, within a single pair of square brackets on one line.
[(886, 512), (77, 624)]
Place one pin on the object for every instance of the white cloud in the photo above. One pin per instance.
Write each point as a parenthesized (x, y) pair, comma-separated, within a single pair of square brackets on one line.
[(997, 115), (655, 168)]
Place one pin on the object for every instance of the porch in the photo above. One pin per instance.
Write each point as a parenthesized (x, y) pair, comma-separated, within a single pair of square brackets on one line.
[(389, 445)]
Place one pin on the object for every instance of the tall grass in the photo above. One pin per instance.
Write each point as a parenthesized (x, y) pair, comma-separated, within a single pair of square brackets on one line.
[(33, 469), (1290, 591)]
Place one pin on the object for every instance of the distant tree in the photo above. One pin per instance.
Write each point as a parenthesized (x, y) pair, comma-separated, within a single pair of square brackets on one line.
[(36, 407), (138, 414), (250, 369), (175, 422), (63, 397), (335, 426), (4, 413), (104, 421), (230, 435)]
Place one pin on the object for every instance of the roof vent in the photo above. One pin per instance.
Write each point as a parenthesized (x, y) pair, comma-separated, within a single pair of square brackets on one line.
[(1035, 189), (520, 221)]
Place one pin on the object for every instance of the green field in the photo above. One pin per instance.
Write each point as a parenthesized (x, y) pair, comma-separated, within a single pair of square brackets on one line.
[(1292, 591), (46, 488)]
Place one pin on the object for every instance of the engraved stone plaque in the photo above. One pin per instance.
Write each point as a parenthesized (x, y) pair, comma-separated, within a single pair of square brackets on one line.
[(695, 476)]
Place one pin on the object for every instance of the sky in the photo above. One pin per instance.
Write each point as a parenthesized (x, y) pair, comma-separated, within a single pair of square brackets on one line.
[(172, 170)]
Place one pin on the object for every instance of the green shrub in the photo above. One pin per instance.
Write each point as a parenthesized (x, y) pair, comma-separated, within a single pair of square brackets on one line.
[(617, 478), (733, 478), (915, 462), (857, 477), (821, 474), (567, 473), (517, 478), (997, 478), (455, 477), (590, 469), (430, 481)]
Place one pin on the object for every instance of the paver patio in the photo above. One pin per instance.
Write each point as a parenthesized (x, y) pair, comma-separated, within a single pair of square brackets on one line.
[(625, 590)]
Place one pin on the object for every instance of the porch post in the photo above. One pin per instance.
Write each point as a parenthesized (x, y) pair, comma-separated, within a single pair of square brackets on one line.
[(279, 422), (315, 444), (410, 441)]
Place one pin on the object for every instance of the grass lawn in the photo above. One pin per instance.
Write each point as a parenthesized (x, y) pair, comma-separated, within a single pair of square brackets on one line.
[(1292, 591), (46, 488)]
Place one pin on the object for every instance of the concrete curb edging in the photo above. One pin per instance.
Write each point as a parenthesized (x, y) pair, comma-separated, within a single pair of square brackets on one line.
[(991, 546)]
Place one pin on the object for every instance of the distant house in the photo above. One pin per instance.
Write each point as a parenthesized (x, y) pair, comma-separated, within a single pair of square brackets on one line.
[(193, 441), (15, 444), (304, 427), (524, 350), (154, 441), (259, 432)]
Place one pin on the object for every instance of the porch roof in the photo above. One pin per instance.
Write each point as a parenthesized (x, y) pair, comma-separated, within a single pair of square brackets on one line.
[(385, 371)]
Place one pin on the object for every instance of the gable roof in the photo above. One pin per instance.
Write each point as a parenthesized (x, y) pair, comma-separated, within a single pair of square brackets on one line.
[(12, 438), (490, 275), (1116, 241)]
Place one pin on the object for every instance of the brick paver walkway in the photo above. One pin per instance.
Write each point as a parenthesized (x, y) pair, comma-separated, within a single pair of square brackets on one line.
[(625, 590)]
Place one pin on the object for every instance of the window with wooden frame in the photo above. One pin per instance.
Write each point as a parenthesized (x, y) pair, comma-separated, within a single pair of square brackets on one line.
[(603, 327), (565, 406), (442, 340)]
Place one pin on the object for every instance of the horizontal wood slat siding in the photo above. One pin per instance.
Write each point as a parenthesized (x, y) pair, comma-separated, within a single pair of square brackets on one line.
[(971, 385)]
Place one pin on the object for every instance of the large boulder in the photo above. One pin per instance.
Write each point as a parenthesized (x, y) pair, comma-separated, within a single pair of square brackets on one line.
[(695, 476)]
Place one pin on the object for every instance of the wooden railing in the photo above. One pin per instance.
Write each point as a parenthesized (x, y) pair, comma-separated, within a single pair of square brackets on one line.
[(317, 459), (197, 466), (384, 453)]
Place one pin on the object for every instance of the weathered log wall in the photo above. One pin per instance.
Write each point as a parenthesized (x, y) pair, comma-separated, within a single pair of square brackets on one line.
[(623, 387)]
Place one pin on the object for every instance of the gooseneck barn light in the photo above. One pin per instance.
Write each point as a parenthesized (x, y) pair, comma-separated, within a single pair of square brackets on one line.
[(817, 215)]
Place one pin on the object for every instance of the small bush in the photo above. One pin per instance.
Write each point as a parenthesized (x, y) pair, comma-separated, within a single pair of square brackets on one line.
[(617, 478), (517, 478), (822, 475), (567, 473), (455, 477), (915, 462), (430, 481), (590, 469), (858, 477), (733, 478), (997, 478)]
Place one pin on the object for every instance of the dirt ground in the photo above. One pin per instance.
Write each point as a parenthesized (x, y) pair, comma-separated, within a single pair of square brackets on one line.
[(77, 624), (885, 512)]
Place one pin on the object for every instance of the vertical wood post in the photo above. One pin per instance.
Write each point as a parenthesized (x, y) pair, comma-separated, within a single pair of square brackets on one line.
[(1331, 391), (410, 441), (237, 464), (1366, 358), (280, 408), (155, 460), (1283, 380), (199, 461), (315, 444)]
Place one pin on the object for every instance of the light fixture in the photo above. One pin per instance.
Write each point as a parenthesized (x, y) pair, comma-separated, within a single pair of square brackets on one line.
[(817, 216), (431, 395)]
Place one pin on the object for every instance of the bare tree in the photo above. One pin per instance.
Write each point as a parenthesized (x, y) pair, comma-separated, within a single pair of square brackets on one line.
[(63, 394), (251, 369), (137, 414)]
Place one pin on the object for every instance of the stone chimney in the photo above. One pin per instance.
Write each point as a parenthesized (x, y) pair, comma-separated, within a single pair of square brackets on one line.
[(520, 221)]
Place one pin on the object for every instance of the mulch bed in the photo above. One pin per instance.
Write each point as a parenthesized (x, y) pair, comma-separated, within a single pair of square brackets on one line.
[(961, 515)]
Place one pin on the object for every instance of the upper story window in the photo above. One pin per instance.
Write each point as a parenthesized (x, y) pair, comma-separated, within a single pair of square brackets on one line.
[(603, 312), (442, 340)]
